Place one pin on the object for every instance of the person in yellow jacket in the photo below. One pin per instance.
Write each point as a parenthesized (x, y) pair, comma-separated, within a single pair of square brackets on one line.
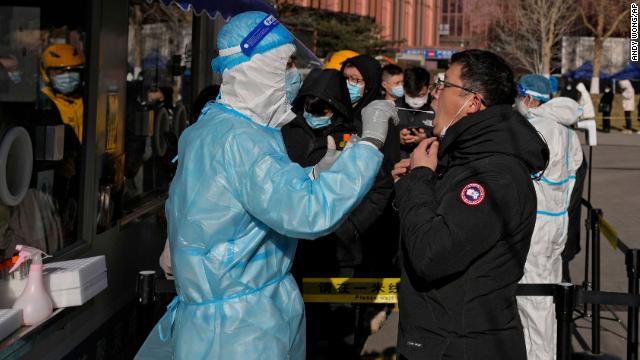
[(61, 67)]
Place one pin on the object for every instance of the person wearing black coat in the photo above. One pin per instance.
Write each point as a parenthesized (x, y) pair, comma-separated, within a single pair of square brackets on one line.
[(378, 224), (605, 106), (337, 254), (380, 241), (467, 210), (351, 250), (307, 145), (569, 90)]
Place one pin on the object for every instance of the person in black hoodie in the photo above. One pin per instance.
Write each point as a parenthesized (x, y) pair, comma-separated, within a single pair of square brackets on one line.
[(375, 222), (379, 243), (323, 113), (356, 246), (305, 137), (467, 210)]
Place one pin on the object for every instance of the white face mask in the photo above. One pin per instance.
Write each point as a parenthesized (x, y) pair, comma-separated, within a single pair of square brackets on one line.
[(455, 117), (416, 102), (257, 88)]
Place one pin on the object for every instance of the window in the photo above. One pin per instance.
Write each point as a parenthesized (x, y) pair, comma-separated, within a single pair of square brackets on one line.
[(158, 95), (42, 97), (452, 25)]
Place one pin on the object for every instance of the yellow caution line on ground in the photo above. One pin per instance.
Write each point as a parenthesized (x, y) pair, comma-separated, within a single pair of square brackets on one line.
[(350, 290)]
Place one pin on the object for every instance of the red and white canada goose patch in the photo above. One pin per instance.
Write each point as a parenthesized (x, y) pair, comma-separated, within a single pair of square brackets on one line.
[(473, 194)]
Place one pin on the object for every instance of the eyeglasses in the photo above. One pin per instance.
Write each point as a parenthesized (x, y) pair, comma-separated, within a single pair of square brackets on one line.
[(441, 84)]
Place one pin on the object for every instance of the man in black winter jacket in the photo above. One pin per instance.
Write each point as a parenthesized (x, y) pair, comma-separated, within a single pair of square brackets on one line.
[(467, 211)]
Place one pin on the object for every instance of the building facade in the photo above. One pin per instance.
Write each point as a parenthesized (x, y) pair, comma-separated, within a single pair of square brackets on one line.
[(415, 22), (467, 23)]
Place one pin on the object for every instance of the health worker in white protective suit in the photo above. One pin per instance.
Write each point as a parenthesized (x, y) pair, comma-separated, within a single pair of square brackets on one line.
[(552, 118), (237, 203)]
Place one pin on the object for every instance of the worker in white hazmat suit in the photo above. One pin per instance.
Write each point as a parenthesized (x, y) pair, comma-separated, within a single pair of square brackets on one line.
[(585, 102), (553, 119), (628, 103), (237, 203)]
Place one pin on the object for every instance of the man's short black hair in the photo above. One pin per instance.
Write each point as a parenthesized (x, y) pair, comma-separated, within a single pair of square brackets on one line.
[(488, 74), (415, 79), (390, 70)]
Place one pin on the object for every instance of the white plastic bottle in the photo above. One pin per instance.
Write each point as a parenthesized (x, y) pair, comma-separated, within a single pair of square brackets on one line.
[(34, 301)]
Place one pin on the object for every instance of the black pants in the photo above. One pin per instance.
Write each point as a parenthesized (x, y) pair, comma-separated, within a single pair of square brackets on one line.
[(627, 120), (606, 121)]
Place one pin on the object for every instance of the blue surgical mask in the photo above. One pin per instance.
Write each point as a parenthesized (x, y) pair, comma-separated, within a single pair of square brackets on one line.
[(317, 122), (293, 83), (397, 91), (354, 91), (67, 82), (15, 76)]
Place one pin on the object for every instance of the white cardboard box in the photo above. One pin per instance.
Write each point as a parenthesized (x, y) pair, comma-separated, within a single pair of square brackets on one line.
[(10, 321), (70, 283)]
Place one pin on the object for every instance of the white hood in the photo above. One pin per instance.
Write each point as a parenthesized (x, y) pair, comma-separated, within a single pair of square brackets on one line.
[(588, 111), (562, 110), (257, 88), (583, 89)]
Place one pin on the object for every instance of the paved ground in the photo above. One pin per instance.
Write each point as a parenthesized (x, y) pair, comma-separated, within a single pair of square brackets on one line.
[(616, 190), (616, 180)]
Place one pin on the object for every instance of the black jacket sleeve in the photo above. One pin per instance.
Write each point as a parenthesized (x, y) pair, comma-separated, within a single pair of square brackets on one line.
[(442, 237), (376, 200), (369, 210)]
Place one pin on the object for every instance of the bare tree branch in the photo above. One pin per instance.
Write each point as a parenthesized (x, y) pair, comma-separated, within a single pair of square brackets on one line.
[(596, 21), (531, 39), (586, 22), (616, 23)]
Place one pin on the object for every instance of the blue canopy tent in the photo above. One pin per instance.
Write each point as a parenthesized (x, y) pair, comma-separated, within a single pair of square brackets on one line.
[(585, 71), (630, 72), (154, 61), (229, 8)]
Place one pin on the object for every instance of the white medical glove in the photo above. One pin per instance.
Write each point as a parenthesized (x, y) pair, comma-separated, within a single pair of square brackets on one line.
[(375, 121)]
